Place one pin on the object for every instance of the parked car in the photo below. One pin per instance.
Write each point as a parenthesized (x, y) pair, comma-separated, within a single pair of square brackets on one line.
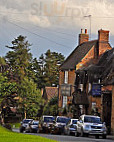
[(33, 126), (46, 123), (58, 127), (24, 124), (71, 127), (91, 125)]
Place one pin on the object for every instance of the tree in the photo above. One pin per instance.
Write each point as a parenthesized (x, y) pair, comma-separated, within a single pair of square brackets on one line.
[(18, 59), (52, 62), (7, 89), (30, 98), (46, 69), (51, 108)]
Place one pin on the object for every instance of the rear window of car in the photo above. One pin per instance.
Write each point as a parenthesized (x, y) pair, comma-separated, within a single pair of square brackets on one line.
[(74, 121), (92, 120), (48, 119), (63, 120), (26, 121), (35, 123)]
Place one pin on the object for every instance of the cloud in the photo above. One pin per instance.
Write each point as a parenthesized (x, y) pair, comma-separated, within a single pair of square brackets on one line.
[(63, 13)]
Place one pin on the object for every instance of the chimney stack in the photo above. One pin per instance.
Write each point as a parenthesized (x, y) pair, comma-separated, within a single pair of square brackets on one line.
[(83, 37), (103, 36), (103, 40)]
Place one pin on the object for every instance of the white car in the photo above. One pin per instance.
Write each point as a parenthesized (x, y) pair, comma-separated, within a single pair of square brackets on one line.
[(91, 125), (71, 127)]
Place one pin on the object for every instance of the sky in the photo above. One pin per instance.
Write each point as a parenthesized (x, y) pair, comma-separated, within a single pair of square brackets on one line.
[(53, 24)]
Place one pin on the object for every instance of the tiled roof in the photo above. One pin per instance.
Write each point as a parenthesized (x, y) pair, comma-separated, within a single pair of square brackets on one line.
[(50, 92), (107, 60), (79, 52), (105, 67)]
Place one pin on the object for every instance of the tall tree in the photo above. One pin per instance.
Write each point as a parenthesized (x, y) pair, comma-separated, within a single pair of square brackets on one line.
[(52, 62), (19, 58)]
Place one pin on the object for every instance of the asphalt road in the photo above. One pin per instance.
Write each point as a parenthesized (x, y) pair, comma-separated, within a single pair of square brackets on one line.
[(64, 138)]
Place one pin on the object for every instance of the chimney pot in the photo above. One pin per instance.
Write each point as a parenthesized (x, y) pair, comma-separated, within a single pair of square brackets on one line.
[(85, 31), (83, 37), (82, 31)]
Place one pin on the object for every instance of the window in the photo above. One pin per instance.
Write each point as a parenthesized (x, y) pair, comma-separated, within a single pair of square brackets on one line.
[(64, 101), (66, 77)]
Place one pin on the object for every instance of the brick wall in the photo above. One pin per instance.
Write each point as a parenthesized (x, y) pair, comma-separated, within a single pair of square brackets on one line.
[(71, 80), (112, 118)]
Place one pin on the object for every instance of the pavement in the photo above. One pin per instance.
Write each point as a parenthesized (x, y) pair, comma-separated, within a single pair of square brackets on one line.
[(66, 139), (110, 137)]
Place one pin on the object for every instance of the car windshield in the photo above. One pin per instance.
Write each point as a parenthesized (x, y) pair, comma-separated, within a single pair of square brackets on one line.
[(26, 121), (92, 120), (48, 119), (35, 123), (74, 121), (63, 119)]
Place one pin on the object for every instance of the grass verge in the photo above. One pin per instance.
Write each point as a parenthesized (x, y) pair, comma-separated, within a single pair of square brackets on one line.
[(15, 125), (8, 136)]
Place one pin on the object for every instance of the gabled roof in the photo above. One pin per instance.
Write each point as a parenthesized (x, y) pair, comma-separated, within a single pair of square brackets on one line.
[(50, 92), (79, 52)]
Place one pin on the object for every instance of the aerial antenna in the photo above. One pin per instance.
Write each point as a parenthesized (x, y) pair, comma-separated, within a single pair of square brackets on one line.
[(89, 16)]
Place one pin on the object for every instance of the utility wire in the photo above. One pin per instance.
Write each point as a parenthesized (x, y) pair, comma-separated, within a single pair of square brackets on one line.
[(55, 32), (45, 38)]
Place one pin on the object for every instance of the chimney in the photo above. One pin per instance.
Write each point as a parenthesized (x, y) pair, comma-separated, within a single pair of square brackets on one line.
[(103, 36), (83, 37), (103, 40)]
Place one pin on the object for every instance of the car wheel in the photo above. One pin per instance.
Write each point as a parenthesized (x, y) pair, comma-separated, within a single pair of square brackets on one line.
[(76, 134), (30, 131), (82, 133), (104, 136), (21, 130), (38, 131), (68, 133), (97, 136)]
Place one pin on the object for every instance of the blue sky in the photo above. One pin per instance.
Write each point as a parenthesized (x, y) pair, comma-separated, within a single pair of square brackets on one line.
[(53, 24)]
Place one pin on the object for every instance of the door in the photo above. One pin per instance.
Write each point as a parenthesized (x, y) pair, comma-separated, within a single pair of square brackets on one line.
[(107, 107)]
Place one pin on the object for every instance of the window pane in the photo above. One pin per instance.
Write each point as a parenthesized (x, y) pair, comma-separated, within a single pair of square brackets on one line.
[(66, 77)]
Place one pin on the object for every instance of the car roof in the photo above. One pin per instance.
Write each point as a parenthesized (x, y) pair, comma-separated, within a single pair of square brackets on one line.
[(74, 119), (27, 119), (47, 116), (62, 116), (90, 116)]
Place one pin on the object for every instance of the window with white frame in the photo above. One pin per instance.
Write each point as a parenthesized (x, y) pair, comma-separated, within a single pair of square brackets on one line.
[(64, 101), (66, 77)]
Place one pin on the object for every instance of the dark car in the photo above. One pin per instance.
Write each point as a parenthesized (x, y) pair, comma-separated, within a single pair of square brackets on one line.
[(71, 127), (58, 127), (46, 123), (33, 126), (24, 124)]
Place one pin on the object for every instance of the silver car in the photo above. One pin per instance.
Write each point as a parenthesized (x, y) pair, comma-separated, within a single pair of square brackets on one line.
[(91, 125), (71, 127)]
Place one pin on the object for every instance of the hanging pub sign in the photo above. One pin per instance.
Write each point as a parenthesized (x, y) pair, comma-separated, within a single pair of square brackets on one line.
[(96, 89), (66, 90)]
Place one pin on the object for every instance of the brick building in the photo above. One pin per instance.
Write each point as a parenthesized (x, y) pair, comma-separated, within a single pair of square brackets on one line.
[(86, 53), (49, 92), (99, 83)]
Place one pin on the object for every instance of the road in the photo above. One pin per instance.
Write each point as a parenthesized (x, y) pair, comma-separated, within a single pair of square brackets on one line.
[(64, 138)]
